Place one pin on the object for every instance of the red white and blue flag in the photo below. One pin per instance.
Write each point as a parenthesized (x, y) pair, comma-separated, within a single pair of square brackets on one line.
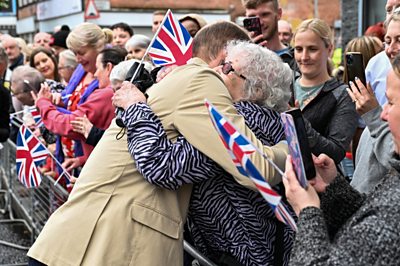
[(239, 148), (36, 116), (172, 44), (31, 153)]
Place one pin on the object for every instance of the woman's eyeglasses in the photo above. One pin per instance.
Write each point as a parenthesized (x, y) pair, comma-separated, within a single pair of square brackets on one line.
[(227, 68)]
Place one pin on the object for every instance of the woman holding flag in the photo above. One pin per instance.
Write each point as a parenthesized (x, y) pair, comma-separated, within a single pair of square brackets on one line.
[(228, 222), (81, 97)]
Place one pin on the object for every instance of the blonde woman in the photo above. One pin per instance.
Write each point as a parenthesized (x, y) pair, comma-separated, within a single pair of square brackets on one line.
[(82, 96), (330, 115)]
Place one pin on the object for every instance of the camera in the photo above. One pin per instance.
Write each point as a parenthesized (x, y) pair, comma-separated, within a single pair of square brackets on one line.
[(349, 59), (141, 79)]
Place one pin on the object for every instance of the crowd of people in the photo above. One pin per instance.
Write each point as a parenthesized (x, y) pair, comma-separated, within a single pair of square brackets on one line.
[(160, 174)]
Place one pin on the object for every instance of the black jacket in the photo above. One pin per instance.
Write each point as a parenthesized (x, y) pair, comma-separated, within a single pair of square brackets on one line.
[(5, 102), (331, 120)]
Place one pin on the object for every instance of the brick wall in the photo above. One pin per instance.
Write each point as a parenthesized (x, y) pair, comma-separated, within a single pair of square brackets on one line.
[(293, 10)]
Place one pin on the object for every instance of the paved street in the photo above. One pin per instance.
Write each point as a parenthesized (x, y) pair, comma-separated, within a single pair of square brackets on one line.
[(13, 233)]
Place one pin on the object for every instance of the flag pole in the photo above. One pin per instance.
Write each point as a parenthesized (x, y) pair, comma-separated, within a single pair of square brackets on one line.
[(17, 113), (64, 171), (151, 44)]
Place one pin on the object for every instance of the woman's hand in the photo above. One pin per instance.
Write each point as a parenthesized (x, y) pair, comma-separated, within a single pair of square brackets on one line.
[(326, 172), (82, 125), (57, 99), (164, 71), (363, 97), (71, 163), (44, 92), (297, 196), (127, 95)]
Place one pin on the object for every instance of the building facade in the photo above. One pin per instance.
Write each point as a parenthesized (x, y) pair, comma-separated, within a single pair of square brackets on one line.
[(8, 19)]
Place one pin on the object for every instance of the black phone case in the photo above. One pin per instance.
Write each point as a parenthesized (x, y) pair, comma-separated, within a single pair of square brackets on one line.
[(355, 67), (253, 24), (303, 143)]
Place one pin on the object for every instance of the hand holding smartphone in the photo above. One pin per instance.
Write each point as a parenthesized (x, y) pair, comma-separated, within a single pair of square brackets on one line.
[(355, 67)]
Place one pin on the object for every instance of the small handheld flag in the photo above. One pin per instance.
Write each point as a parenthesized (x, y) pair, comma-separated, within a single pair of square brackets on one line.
[(172, 43), (239, 148), (30, 154), (36, 116)]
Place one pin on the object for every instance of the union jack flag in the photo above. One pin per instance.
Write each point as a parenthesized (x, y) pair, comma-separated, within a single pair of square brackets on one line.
[(172, 44), (239, 148), (31, 153), (36, 116)]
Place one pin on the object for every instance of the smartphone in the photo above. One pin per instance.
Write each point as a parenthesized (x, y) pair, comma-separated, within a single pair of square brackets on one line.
[(253, 24), (299, 148), (355, 67)]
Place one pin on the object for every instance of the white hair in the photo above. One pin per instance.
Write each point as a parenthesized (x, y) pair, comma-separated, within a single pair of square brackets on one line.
[(138, 40), (268, 78), (118, 73)]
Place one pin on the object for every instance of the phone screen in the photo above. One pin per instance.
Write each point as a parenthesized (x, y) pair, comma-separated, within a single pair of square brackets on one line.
[(298, 144), (355, 67)]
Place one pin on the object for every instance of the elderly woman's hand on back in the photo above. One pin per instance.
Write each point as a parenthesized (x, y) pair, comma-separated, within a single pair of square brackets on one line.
[(127, 95)]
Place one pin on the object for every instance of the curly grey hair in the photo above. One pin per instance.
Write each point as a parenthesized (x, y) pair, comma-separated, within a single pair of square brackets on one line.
[(268, 79)]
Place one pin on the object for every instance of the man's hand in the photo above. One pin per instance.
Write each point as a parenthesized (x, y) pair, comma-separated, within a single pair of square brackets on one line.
[(127, 95), (363, 97), (259, 39)]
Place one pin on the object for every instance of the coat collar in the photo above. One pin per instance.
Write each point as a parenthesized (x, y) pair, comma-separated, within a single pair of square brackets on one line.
[(197, 61)]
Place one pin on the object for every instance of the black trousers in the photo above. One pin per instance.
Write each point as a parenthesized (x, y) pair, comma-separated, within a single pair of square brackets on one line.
[(33, 262)]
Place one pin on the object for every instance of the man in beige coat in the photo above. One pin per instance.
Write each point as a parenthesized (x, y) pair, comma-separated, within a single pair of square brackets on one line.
[(113, 216)]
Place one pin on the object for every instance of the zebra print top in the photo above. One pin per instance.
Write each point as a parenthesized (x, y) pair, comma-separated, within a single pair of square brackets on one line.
[(223, 215)]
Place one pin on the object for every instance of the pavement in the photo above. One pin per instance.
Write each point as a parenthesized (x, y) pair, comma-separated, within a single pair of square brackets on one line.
[(15, 233)]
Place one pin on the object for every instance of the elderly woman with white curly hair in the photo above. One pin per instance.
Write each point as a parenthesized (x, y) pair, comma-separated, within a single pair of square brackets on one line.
[(226, 220)]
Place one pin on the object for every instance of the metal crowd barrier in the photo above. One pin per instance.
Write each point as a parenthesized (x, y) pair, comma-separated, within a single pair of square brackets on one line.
[(35, 205)]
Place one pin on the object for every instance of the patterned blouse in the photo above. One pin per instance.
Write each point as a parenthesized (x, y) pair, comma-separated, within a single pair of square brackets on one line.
[(223, 217)]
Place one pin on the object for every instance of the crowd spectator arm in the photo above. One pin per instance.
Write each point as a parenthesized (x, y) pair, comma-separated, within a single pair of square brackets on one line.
[(60, 123), (94, 136), (348, 228), (314, 247)]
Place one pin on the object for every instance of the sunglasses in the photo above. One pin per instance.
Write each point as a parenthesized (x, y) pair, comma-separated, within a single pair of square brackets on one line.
[(228, 68)]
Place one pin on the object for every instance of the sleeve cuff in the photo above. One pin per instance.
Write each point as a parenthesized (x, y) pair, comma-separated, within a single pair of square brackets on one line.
[(372, 117), (135, 112)]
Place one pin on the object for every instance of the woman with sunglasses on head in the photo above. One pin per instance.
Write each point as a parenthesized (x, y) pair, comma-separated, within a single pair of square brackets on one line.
[(329, 113), (228, 222)]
